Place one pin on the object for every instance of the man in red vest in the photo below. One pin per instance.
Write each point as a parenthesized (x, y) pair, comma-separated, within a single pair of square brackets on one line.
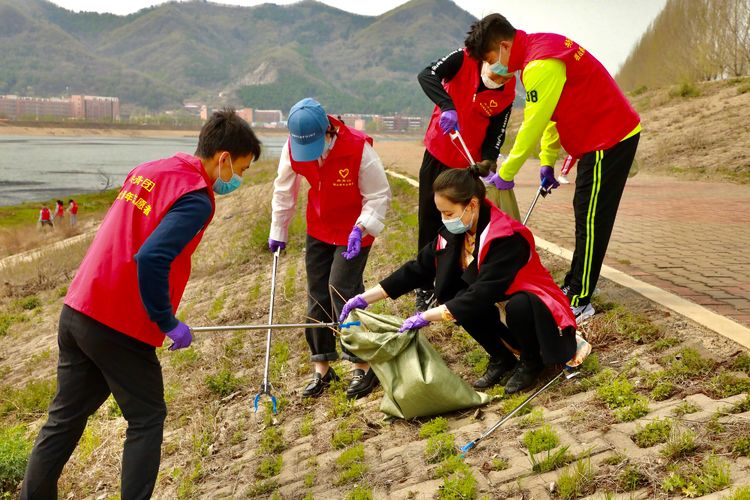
[(73, 210), (45, 216), (467, 98), (346, 206), (573, 102), (122, 303)]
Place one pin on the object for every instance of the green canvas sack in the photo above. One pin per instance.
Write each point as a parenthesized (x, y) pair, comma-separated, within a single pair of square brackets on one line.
[(505, 200), (416, 381)]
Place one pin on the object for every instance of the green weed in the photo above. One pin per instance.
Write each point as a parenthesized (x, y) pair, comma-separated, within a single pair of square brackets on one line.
[(633, 326), (29, 402), (553, 460), (271, 441), (576, 480), (514, 402), (634, 411), (726, 384), (346, 435), (449, 466), (460, 485), (8, 320), (216, 306), (685, 89), (262, 487), (662, 391), (541, 439), (306, 426), (183, 358), (742, 446), (436, 426), (223, 383), (499, 464), (439, 448), (269, 467), (664, 343), (234, 346), (685, 408), (360, 493), (533, 419), (341, 406), (14, 455), (742, 363), (631, 478), (279, 359), (679, 444), (687, 364), (28, 303), (615, 459), (590, 365), (617, 394), (477, 359), (186, 489), (351, 464), (712, 476), (652, 433)]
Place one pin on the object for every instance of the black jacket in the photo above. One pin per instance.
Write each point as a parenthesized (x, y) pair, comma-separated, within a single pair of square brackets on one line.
[(462, 291)]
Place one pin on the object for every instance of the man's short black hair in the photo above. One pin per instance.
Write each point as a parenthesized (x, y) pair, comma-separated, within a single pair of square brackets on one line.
[(225, 131), (485, 34)]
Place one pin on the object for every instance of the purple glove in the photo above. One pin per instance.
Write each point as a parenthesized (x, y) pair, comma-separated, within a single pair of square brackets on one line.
[(180, 335), (547, 176), (413, 323), (500, 183), (448, 121), (354, 245), (274, 245), (356, 302)]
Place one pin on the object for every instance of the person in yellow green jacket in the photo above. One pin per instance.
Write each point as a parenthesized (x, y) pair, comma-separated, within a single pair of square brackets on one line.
[(573, 102)]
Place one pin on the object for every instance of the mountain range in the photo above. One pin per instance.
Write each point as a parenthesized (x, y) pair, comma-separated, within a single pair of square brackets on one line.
[(267, 56)]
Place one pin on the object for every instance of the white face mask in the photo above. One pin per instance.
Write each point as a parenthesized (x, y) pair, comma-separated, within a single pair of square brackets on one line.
[(488, 82)]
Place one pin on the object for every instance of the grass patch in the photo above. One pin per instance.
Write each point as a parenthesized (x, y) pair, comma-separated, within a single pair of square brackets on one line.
[(663, 390), (652, 433), (8, 320), (440, 447), (279, 359), (449, 466), (28, 303), (186, 489), (679, 444), (692, 482), (514, 402), (28, 402), (477, 359), (541, 439), (14, 455), (499, 464), (576, 480), (633, 326), (634, 411), (346, 434), (216, 306), (685, 89), (459, 485), (271, 441), (742, 446), (351, 464), (184, 358), (269, 467), (553, 460), (742, 363), (631, 478), (664, 343), (685, 408), (617, 393), (590, 365), (223, 383), (360, 493), (743, 492), (533, 419), (262, 487), (341, 406), (687, 364), (438, 425), (726, 384), (306, 426), (615, 459)]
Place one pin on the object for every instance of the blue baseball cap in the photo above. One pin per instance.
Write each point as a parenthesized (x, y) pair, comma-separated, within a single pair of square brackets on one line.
[(307, 125)]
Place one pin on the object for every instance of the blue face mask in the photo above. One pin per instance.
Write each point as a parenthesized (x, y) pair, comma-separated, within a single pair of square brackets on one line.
[(499, 68), (225, 187), (456, 225)]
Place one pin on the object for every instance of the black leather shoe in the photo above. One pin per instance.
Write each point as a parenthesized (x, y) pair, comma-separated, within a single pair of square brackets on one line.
[(525, 375), (425, 299), (319, 383), (496, 370), (362, 384)]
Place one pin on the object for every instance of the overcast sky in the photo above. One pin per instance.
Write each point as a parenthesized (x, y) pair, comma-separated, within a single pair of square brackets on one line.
[(607, 28)]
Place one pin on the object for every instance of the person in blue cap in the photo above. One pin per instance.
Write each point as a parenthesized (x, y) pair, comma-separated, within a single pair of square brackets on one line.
[(346, 206)]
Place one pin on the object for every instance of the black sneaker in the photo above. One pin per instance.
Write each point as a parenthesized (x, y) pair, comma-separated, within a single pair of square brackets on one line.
[(362, 383), (496, 370), (526, 374), (425, 299), (319, 383)]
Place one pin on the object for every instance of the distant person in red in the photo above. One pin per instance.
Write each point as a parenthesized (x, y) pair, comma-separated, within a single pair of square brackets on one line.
[(45, 216), (73, 211), (122, 302), (59, 213)]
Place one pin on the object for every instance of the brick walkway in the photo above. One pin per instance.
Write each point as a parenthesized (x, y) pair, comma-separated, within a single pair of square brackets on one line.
[(688, 237)]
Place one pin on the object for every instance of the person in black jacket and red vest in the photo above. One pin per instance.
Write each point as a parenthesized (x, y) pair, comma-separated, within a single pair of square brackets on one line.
[(573, 102), (468, 98), (122, 303), (346, 206), (482, 257)]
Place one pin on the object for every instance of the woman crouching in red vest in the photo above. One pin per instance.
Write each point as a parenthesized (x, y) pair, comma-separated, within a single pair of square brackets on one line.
[(482, 257), (346, 205), (122, 303)]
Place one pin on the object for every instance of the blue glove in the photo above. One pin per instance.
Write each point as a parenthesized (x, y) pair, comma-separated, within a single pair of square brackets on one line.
[(501, 183), (356, 302), (413, 323), (180, 335), (274, 245), (354, 245), (547, 176), (448, 121)]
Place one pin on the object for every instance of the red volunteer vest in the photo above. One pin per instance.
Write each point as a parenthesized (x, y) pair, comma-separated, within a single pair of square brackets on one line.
[(74, 208), (533, 277), (474, 112), (105, 286), (334, 201), (592, 113), (45, 214), (60, 211)]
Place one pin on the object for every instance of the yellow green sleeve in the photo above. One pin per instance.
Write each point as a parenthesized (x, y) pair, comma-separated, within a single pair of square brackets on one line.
[(550, 145), (543, 80)]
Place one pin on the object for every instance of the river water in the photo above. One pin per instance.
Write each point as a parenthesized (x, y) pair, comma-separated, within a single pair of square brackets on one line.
[(39, 168)]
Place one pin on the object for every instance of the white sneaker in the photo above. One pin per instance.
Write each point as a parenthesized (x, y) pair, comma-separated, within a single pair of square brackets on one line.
[(582, 313)]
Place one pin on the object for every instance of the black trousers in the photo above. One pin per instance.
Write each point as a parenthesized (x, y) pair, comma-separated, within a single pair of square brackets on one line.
[(331, 281), (534, 328), (486, 328), (95, 361), (429, 218), (600, 182)]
